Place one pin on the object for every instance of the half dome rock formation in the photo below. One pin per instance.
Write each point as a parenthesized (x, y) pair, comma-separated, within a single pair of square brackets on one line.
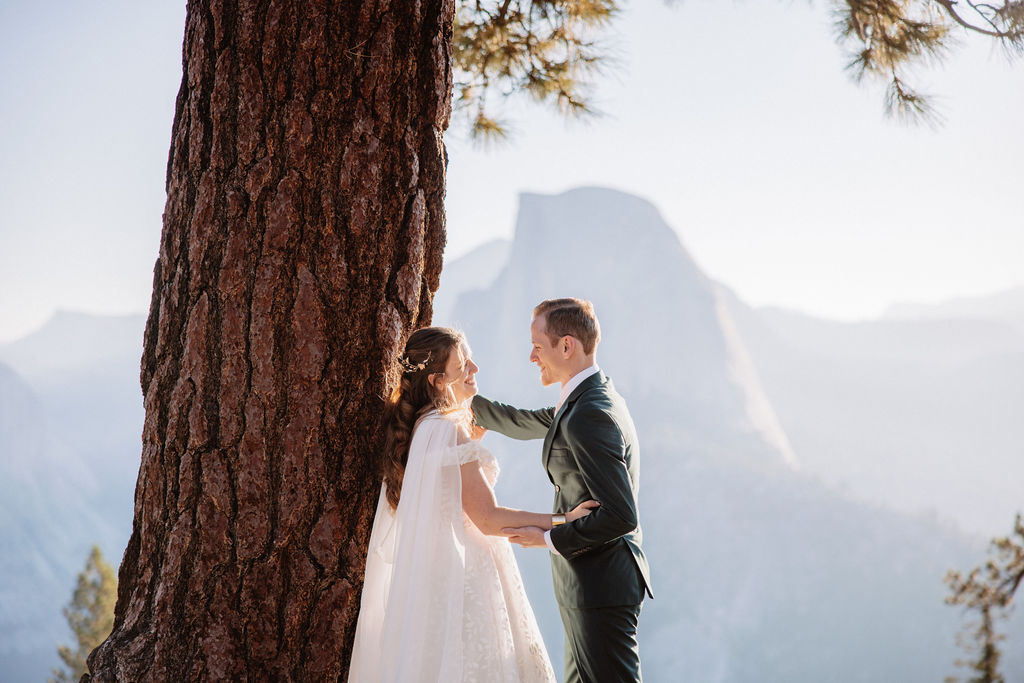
[(667, 343)]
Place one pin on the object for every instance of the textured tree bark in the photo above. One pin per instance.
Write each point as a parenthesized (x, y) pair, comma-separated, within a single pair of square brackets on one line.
[(301, 244)]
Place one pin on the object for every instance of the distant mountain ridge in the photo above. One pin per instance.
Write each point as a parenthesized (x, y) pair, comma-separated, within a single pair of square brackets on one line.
[(921, 416), (48, 521), (85, 370), (473, 271), (667, 330), (761, 571), (1007, 306), (72, 342), (765, 570), (70, 442)]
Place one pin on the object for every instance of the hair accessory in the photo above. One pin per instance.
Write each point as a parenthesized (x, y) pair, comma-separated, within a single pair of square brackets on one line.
[(409, 366)]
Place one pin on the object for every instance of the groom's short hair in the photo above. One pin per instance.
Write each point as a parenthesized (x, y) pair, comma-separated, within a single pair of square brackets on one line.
[(570, 317)]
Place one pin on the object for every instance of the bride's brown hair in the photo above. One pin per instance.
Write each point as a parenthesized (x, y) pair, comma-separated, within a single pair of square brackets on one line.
[(426, 353)]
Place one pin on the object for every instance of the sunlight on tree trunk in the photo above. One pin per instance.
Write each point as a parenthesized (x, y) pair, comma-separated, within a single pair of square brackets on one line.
[(302, 242)]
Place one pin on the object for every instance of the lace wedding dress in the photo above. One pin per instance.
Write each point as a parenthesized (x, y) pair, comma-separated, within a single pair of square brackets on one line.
[(441, 601)]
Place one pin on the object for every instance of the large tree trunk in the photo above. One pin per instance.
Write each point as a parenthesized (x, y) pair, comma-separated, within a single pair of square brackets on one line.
[(301, 244)]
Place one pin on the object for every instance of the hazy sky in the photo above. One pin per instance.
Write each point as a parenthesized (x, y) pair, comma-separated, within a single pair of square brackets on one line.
[(782, 177)]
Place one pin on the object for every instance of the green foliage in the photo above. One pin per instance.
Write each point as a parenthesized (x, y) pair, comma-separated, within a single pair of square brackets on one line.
[(988, 590), (90, 615), (888, 37), (546, 49)]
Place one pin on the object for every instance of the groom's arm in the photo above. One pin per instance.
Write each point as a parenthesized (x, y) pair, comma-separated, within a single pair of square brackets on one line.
[(510, 421), (596, 443)]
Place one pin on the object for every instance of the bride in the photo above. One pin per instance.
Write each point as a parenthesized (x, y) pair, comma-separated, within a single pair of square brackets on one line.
[(443, 600)]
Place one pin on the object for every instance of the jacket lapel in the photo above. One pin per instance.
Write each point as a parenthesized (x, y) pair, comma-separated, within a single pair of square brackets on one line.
[(595, 380)]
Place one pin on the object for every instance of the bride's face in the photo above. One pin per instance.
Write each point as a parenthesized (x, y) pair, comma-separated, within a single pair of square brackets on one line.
[(460, 374)]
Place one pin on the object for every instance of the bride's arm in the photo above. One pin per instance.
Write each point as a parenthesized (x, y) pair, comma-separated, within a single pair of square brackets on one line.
[(482, 508)]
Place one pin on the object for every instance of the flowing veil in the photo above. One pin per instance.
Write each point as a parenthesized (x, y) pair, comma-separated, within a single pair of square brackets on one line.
[(415, 569)]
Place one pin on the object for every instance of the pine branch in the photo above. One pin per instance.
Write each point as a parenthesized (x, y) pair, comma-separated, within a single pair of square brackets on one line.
[(544, 49), (994, 32)]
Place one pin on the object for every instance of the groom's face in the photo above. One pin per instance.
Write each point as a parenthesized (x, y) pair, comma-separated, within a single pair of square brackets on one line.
[(545, 354)]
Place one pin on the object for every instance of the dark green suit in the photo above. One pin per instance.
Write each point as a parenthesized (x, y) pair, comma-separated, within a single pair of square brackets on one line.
[(600, 574)]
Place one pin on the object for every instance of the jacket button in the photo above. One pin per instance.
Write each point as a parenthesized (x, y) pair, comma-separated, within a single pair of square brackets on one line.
[(557, 488)]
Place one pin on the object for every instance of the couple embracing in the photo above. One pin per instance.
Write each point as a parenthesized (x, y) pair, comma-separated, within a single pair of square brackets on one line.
[(443, 600)]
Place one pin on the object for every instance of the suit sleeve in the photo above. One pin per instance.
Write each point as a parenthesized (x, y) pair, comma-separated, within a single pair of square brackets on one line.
[(512, 422), (596, 443)]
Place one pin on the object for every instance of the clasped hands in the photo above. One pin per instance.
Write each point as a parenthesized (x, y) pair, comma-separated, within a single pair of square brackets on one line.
[(533, 536)]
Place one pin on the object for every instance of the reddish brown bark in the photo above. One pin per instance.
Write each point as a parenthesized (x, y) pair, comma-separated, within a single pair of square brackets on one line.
[(302, 242)]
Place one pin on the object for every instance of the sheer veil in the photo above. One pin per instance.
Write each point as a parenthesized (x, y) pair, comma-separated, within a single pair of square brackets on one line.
[(415, 569)]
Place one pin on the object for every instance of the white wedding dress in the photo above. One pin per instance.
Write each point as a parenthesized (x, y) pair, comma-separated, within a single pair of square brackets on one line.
[(441, 601)]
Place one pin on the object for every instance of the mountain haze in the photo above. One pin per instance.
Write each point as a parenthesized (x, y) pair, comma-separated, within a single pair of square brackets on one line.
[(70, 441), (761, 571), (49, 520), (1006, 306), (922, 416), (788, 464), (666, 331), (473, 271), (85, 371)]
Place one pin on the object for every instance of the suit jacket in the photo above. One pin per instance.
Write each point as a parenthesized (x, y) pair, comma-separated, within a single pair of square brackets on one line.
[(590, 452)]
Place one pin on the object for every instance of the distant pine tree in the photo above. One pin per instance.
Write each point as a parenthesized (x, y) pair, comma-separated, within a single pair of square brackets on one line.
[(90, 615), (989, 591)]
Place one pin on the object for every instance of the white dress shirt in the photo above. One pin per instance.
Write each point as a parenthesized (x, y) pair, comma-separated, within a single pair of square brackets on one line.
[(567, 388), (574, 382)]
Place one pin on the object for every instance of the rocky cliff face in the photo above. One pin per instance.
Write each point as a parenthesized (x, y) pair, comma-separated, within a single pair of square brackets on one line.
[(666, 342), (473, 271), (761, 571), (922, 416)]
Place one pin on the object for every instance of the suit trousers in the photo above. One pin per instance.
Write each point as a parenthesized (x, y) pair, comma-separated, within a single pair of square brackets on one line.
[(601, 645)]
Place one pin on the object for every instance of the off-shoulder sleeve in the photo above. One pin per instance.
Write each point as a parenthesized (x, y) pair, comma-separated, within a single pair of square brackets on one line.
[(463, 453)]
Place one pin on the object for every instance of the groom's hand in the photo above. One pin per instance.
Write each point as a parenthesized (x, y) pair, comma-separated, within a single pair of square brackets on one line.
[(526, 536)]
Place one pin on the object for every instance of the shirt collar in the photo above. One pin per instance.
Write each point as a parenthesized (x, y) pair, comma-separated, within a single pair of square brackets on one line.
[(574, 382)]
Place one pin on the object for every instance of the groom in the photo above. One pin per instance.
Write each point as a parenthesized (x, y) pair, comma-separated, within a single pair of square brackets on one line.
[(590, 452)]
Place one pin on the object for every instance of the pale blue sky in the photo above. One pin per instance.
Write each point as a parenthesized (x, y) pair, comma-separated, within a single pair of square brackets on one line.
[(782, 177)]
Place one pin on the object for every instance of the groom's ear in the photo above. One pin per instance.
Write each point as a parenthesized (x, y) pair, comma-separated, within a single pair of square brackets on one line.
[(567, 343)]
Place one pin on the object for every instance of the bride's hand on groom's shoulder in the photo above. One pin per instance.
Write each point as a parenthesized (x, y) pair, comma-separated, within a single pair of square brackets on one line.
[(581, 510)]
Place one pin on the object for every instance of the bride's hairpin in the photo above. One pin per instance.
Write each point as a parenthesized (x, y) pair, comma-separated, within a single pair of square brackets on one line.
[(409, 366)]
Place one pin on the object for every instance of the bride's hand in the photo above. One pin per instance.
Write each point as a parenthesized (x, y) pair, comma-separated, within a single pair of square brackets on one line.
[(581, 510)]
